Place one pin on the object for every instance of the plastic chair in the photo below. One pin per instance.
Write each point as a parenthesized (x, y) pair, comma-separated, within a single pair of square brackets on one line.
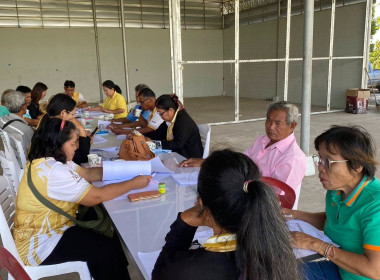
[(285, 193), (19, 149), (10, 172), (13, 267), (10, 153), (7, 215), (205, 132)]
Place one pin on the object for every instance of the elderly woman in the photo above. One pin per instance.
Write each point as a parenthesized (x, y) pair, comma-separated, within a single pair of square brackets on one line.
[(38, 93), (251, 240), (43, 236), (178, 132), (114, 103), (346, 164), (14, 123)]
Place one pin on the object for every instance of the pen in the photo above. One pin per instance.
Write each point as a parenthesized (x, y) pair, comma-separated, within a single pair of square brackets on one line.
[(288, 215), (176, 161), (153, 174), (154, 181)]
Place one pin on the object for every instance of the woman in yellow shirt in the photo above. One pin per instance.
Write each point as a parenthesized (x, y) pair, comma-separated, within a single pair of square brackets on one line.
[(114, 103)]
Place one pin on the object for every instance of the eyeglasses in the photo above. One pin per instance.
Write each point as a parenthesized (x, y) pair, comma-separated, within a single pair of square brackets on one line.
[(325, 162), (162, 112), (143, 101)]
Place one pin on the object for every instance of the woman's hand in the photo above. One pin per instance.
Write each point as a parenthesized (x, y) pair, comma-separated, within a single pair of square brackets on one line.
[(288, 214), (141, 181), (194, 216), (79, 127), (304, 241), (191, 162)]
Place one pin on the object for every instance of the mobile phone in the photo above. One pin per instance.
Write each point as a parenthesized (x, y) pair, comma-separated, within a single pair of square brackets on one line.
[(94, 131)]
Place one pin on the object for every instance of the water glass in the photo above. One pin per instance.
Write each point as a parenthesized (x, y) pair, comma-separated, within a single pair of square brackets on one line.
[(158, 144)]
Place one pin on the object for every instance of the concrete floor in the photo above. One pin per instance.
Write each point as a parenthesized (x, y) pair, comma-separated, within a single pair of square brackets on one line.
[(241, 136)]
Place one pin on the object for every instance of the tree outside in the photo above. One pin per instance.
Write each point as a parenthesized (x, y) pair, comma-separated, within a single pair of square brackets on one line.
[(374, 55)]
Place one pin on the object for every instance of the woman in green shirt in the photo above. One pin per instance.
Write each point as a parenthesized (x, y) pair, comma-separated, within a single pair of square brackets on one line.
[(346, 164)]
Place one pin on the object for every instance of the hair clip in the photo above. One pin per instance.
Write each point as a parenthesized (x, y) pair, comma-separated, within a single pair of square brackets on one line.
[(62, 124), (245, 186)]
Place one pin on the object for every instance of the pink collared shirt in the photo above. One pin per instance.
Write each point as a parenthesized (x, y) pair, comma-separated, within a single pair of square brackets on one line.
[(283, 160)]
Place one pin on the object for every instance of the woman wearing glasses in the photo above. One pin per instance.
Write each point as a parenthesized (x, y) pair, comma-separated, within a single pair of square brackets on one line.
[(178, 132), (346, 163)]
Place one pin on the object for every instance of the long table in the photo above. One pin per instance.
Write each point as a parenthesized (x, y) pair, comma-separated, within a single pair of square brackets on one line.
[(143, 225)]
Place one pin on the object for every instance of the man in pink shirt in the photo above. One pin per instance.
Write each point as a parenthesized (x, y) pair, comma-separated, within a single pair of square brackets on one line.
[(277, 153)]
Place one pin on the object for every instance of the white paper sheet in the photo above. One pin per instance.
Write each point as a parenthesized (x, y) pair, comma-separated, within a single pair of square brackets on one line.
[(149, 259), (121, 137), (298, 225), (125, 170), (158, 166), (186, 179), (112, 151), (99, 139), (105, 123), (97, 113)]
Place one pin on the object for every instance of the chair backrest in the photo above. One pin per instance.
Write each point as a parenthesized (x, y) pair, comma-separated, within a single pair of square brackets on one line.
[(11, 264), (10, 153), (7, 216), (205, 132), (10, 172), (285, 193), (19, 149)]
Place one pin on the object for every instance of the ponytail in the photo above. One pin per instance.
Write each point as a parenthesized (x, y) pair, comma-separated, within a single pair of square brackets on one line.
[(230, 186)]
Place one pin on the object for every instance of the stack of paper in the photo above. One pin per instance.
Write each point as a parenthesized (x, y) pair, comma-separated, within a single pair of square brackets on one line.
[(186, 179)]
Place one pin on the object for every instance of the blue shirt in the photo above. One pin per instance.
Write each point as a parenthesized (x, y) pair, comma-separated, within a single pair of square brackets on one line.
[(132, 117), (3, 111)]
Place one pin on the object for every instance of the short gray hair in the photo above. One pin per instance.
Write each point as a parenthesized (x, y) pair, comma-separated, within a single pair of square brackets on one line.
[(291, 110), (5, 92), (14, 101)]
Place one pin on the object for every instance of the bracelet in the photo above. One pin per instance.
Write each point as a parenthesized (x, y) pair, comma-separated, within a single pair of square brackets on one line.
[(327, 250), (320, 246)]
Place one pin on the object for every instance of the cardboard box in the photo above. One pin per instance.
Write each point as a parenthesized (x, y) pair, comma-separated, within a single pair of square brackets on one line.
[(356, 105), (360, 93)]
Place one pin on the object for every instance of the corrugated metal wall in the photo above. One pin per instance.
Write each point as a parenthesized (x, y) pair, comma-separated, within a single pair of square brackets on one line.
[(196, 14)]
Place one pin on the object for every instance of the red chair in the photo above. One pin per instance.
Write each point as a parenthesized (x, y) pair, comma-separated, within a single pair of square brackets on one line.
[(10, 263), (285, 193)]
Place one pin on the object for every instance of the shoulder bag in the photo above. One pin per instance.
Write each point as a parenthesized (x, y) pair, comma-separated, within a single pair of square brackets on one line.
[(102, 225), (135, 149)]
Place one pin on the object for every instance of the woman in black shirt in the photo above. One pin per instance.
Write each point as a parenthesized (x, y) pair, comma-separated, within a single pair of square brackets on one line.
[(251, 239), (178, 132)]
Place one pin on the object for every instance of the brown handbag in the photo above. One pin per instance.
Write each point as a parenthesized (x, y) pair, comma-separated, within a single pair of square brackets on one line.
[(135, 149)]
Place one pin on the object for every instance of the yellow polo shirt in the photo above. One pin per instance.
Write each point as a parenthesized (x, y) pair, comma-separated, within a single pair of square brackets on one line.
[(117, 101), (38, 229)]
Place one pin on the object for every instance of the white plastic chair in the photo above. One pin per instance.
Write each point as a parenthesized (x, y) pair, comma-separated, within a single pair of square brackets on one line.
[(7, 215), (131, 105), (9, 151), (19, 149), (10, 172), (205, 132)]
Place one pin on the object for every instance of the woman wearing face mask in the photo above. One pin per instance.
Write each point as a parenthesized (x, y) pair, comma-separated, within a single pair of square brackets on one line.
[(114, 103), (346, 164), (178, 132)]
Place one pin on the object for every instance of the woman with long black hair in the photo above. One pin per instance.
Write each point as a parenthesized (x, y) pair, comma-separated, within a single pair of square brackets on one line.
[(251, 239)]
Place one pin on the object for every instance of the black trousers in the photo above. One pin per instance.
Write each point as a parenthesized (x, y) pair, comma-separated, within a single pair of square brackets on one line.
[(104, 256)]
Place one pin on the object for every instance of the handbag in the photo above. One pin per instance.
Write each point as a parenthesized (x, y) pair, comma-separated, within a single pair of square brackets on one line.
[(102, 225), (135, 149)]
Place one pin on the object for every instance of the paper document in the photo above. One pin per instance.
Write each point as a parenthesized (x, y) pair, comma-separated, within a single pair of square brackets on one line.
[(121, 137), (158, 166), (298, 225), (99, 139), (149, 259), (125, 170), (186, 179), (97, 113), (105, 123)]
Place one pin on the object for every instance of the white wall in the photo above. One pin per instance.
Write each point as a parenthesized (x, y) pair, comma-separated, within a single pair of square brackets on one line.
[(259, 41), (53, 55)]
